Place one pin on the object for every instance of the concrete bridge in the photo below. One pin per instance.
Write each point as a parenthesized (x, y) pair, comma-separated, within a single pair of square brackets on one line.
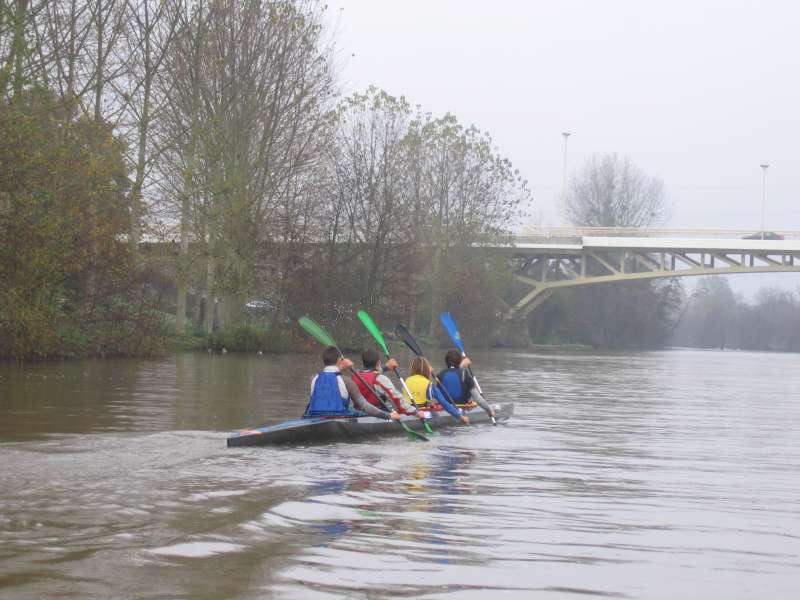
[(549, 259), (545, 260)]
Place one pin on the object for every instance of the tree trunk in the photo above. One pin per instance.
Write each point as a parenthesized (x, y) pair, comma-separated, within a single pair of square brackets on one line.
[(208, 317), (180, 308), (136, 192), (183, 267), (100, 74), (186, 204), (16, 54), (436, 289)]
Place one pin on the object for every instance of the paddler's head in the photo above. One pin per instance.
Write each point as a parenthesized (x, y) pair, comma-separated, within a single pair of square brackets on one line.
[(452, 358), (331, 356), (421, 366), (371, 360)]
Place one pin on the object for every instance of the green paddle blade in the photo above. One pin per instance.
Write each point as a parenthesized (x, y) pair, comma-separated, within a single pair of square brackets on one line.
[(414, 434), (367, 321), (316, 331)]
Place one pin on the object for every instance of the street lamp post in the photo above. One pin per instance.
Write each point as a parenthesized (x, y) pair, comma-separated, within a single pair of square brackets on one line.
[(763, 195), (566, 135)]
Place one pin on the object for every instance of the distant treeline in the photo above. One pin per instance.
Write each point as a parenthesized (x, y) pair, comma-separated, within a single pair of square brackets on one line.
[(715, 317), (218, 127), (651, 315), (615, 316)]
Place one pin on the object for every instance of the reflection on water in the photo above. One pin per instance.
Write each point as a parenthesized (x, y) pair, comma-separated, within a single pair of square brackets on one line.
[(658, 475)]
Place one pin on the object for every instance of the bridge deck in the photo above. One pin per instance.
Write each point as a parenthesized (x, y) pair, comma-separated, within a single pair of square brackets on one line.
[(539, 233), (654, 245), (546, 261)]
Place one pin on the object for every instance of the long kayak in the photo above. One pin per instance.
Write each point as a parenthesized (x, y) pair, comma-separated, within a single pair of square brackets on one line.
[(312, 430)]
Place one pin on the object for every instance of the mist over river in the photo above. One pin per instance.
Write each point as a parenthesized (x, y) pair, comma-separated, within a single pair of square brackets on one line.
[(649, 475)]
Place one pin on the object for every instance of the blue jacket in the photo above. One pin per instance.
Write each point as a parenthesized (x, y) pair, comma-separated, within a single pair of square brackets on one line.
[(458, 383), (326, 398)]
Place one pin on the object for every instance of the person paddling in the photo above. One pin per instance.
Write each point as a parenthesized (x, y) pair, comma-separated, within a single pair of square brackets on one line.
[(424, 393), (373, 378), (459, 383), (331, 394)]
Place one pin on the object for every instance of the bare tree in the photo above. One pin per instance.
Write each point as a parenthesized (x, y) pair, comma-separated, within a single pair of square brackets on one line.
[(64, 35), (108, 19), (368, 176), (261, 95), (76, 53), (610, 191), (464, 194), (151, 27), (17, 24), (406, 186)]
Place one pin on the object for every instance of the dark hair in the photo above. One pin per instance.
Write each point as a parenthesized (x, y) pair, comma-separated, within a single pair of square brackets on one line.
[(330, 356), (452, 358), (370, 358)]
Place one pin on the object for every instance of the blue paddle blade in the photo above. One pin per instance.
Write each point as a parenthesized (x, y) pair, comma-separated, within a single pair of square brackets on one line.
[(450, 327)]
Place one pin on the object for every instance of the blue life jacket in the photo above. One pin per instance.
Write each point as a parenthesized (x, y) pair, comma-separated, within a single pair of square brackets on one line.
[(455, 386), (325, 398)]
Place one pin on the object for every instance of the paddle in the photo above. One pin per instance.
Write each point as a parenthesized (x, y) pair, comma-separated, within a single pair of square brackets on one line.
[(408, 339), (319, 333), (449, 325), (375, 331)]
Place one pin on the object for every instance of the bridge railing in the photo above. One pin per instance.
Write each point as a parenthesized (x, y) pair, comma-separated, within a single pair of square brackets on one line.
[(575, 233)]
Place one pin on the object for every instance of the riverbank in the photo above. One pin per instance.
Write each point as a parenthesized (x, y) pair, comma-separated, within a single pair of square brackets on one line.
[(260, 339)]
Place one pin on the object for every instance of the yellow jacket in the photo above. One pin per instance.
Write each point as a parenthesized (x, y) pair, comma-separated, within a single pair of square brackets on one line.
[(418, 386)]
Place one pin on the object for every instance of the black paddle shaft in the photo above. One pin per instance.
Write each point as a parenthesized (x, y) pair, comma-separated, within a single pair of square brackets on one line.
[(408, 339), (380, 397)]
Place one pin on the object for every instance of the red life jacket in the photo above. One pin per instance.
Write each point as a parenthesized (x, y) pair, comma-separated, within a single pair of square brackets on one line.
[(369, 377)]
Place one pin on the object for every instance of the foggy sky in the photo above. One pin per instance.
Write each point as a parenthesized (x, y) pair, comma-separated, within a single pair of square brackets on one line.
[(700, 93)]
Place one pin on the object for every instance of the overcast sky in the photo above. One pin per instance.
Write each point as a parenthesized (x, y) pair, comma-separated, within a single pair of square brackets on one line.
[(699, 93)]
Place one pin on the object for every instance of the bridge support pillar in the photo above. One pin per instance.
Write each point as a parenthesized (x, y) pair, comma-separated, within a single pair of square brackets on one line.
[(530, 302)]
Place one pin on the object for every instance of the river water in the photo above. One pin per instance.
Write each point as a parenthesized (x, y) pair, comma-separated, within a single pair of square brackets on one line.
[(653, 475)]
